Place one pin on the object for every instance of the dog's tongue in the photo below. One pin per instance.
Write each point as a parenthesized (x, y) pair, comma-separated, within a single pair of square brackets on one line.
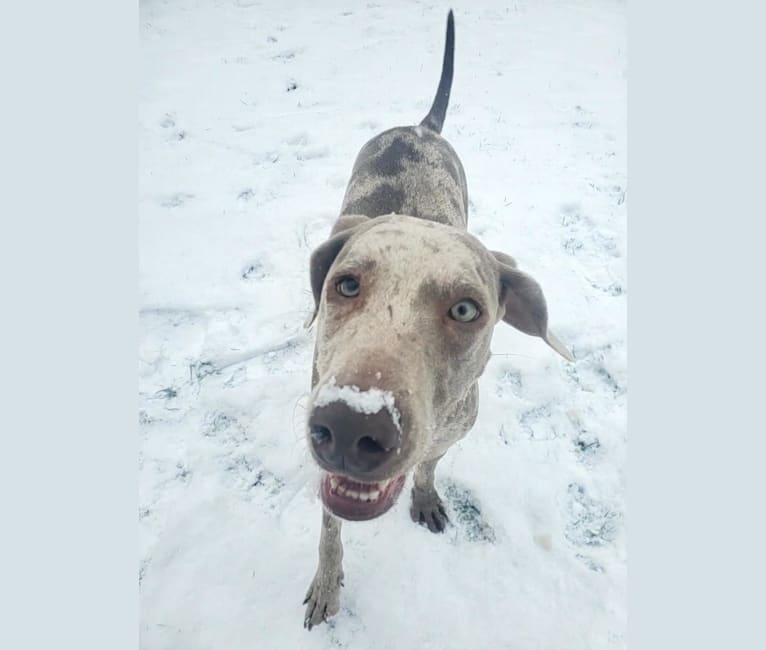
[(358, 501)]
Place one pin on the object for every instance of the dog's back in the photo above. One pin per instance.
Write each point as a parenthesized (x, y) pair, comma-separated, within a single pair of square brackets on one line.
[(412, 170)]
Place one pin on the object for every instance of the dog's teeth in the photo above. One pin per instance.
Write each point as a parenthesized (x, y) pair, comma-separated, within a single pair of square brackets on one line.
[(369, 492)]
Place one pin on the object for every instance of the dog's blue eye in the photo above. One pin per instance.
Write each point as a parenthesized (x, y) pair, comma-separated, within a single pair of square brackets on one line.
[(464, 311), (348, 287)]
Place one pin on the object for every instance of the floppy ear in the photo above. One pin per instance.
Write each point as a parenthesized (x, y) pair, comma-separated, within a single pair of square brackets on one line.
[(347, 222), (323, 257), (525, 307)]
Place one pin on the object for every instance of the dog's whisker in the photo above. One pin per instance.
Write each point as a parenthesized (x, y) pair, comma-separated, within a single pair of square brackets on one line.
[(512, 354), (298, 432)]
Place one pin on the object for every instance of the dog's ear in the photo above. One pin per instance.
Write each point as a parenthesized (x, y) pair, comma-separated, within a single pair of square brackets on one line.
[(348, 222), (323, 257), (524, 302)]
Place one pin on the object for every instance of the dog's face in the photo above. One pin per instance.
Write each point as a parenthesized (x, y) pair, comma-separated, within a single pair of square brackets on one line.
[(405, 311)]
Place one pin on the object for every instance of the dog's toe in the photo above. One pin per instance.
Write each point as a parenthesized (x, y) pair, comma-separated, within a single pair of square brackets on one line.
[(428, 510), (322, 600)]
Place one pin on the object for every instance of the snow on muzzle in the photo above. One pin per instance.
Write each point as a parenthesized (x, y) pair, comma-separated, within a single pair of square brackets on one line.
[(356, 437)]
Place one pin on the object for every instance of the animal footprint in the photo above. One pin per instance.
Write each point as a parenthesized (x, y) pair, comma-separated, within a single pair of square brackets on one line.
[(586, 444), (537, 423), (509, 382), (582, 237), (465, 514), (286, 55), (254, 271), (590, 523), (592, 369), (312, 153), (299, 139), (176, 200)]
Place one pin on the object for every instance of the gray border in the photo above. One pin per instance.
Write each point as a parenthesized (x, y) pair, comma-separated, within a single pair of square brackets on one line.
[(69, 327), (696, 444), (69, 279)]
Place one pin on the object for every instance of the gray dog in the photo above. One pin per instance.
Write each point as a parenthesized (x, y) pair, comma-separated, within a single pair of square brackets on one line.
[(405, 302)]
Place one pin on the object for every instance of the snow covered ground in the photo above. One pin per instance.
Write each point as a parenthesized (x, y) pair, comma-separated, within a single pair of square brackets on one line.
[(251, 114)]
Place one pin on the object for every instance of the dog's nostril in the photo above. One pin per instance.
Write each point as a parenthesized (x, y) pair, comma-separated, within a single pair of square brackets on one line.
[(370, 445), (320, 434)]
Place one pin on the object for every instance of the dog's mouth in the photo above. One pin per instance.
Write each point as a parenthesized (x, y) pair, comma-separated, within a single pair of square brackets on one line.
[(359, 501)]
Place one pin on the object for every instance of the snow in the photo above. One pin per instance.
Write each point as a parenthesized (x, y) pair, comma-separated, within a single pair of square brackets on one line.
[(367, 401), (251, 114)]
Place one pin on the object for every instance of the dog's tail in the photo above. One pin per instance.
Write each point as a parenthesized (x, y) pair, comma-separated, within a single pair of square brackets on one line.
[(435, 118)]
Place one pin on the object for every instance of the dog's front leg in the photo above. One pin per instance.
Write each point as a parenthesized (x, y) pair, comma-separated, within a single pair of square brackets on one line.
[(323, 597), (427, 507)]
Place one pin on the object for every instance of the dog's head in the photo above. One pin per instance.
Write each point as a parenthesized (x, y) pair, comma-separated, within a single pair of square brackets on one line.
[(405, 310)]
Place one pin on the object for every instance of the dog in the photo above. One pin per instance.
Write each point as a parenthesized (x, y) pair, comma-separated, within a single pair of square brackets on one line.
[(405, 305)]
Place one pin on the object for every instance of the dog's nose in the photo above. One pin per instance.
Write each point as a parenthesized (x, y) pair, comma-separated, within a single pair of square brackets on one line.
[(344, 439)]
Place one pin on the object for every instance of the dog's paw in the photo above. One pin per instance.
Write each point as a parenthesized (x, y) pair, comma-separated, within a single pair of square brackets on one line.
[(322, 598), (427, 509)]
